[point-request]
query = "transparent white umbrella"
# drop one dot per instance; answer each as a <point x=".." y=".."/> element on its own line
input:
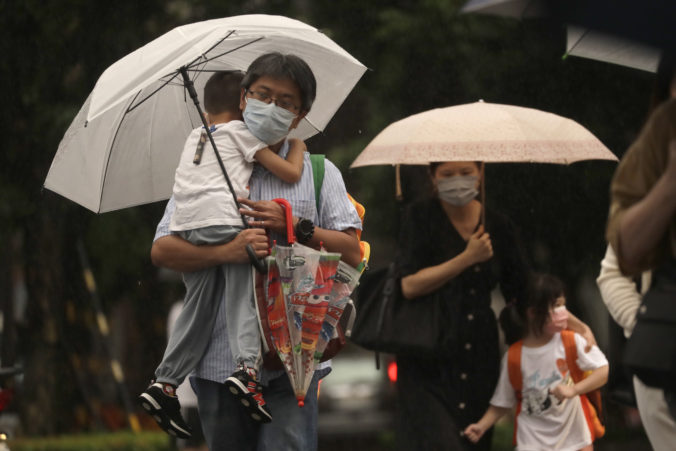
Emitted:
<point x="123" y="147"/>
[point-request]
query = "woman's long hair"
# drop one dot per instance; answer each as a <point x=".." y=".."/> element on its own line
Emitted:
<point x="541" y="293"/>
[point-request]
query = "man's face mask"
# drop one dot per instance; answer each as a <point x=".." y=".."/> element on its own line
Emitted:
<point x="267" y="121"/>
<point x="458" y="190"/>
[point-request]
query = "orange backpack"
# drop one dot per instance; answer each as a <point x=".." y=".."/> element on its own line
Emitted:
<point x="591" y="402"/>
<point x="317" y="161"/>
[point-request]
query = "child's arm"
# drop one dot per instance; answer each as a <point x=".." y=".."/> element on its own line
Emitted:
<point x="596" y="379"/>
<point x="475" y="431"/>
<point x="289" y="170"/>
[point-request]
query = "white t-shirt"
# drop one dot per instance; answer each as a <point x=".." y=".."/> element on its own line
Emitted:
<point x="201" y="193"/>
<point x="544" y="423"/>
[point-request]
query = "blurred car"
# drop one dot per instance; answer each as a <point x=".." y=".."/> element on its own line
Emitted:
<point x="356" y="398"/>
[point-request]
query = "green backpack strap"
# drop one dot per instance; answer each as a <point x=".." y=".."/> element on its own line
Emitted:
<point x="317" y="161"/>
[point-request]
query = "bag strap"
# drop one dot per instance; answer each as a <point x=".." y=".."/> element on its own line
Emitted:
<point x="515" y="378"/>
<point x="514" y="367"/>
<point x="568" y="339"/>
<point x="317" y="161"/>
<point x="592" y="404"/>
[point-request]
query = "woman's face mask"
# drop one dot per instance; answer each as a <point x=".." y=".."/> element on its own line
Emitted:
<point x="458" y="190"/>
<point x="558" y="320"/>
<point x="267" y="121"/>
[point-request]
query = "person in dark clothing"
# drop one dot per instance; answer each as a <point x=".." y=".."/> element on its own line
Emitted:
<point x="445" y="249"/>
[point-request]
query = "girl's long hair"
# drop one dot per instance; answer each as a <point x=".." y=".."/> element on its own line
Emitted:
<point x="541" y="293"/>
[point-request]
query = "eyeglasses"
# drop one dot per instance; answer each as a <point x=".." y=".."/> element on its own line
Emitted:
<point x="267" y="98"/>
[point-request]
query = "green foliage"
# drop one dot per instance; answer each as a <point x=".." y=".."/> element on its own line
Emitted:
<point x="119" y="441"/>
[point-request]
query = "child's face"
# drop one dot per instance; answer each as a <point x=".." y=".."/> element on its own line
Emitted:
<point x="558" y="316"/>
<point x="559" y="302"/>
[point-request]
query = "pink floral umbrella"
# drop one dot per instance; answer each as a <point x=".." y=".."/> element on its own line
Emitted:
<point x="485" y="132"/>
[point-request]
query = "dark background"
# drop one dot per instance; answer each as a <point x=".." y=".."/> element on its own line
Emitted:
<point x="420" y="54"/>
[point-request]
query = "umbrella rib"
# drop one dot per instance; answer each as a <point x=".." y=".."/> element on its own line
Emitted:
<point x="572" y="47"/>
<point x="202" y="59"/>
<point x="230" y="51"/>
<point x="132" y="108"/>
<point x="312" y="125"/>
<point x="203" y="55"/>
<point x="201" y="71"/>
<point x="110" y="154"/>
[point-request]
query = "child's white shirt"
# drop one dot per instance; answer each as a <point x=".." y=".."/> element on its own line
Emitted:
<point x="201" y="193"/>
<point x="544" y="423"/>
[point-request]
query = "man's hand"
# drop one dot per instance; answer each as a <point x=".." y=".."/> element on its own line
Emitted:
<point x="255" y="237"/>
<point x="265" y="214"/>
<point x="175" y="253"/>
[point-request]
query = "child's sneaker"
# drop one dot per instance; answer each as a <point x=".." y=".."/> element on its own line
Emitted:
<point x="250" y="393"/>
<point x="160" y="401"/>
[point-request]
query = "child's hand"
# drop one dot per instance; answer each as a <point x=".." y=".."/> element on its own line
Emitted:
<point x="474" y="432"/>
<point x="564" y="392"/>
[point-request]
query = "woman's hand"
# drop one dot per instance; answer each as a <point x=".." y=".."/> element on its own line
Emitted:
<point x="576" y="325"/>
<point x="479" y="247"/>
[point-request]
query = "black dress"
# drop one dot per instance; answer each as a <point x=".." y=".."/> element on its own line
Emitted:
<point x="440" y="396"/>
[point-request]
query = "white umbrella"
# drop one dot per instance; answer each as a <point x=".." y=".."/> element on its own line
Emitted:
<point x="599" y="46"/>
<point x="582" y="42"/>
<point x="508" y="8"/>
<point x="486" y="132"/>
<point x="124" y="145"/>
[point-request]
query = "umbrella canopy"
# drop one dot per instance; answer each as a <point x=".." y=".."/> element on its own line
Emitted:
<point x="124" y="145"/>
<point x="507" y="8"/>
<point x="580" y="41"/>
<point x="650" y="22"/>
<point x="605" y="47"/>
<point x="483" y="132"/>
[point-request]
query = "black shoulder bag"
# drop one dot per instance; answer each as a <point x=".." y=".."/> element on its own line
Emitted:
<point x="650" y="352"/>
<point x="386" y="322"/>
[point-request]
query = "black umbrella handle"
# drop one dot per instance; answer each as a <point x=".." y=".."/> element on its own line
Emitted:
<point x="259" y="264"/>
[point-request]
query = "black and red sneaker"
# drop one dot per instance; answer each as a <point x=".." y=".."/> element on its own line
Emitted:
<point x="244" y="386"/>
<point x="160" y="401"/>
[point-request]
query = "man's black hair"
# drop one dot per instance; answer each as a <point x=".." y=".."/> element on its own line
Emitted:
<point x="279" y="66"/>
<point x="222" y="92"/>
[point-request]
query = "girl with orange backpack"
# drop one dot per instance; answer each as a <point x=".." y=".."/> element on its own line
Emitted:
<point x="543" y="375"/>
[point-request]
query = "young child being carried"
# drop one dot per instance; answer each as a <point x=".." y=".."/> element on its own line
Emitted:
<point x="206" y="214"/>
<point x="536" y="378"/>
